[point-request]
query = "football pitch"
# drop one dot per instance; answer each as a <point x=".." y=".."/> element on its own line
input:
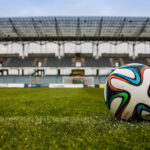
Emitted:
<point x="43" y="118"/>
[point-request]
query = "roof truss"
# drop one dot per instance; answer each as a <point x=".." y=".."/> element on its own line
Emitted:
<point x="36" y="28"/>
<point x="14" y="29"/>
<point x="141" y="29"/>
<point x="75" y="29"/>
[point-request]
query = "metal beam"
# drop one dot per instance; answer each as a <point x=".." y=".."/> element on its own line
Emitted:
<point x="141" y="30"/>
<point x="119" y="30"/>
<point x="2" y="34"/>
<point x="77" y="39"/>
<point x="14" y="28"/>
<point x="36" y="28"/>
<point x="58" y="32"/>
<point x="78" y="30"/>
<point x="99" y="29"/>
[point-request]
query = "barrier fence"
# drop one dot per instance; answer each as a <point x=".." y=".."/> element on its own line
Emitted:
<point x="21" y="85"/>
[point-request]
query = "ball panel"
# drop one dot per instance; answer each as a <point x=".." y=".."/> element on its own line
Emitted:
<point x="140" y="108"/>
<point x="124" y="101"/>
<point x="125" y="72"/>
<point x="115" y="104"/>
<point x="145" y="115"/>
<point x="120" y="84"/>
<point x="134" y="81"/>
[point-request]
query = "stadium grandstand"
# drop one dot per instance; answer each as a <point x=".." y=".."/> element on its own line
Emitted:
<point x="70" y="50"/>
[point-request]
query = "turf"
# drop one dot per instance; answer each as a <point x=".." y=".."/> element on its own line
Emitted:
<point x="77" y="119"/>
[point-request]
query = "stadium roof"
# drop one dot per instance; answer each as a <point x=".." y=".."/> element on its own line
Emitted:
<point x="75" y="29"/>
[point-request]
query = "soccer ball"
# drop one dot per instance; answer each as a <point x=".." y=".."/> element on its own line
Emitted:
<point x="127" y="92"/>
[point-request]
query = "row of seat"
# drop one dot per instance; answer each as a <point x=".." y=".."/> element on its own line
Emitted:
<point x="67" y="61"/>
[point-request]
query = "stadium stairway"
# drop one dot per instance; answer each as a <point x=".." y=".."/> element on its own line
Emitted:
<point x="34" y="62"/>
<point x="111" y="61"/>
<point x="7" y="61"/>
<point x="44" y="62"/>
<point x="121" y="61"/>
<point x="35" y="80"/>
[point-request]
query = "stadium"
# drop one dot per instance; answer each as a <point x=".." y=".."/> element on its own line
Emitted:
<point x="52" y="76"/>
<point x="70" y="50"/>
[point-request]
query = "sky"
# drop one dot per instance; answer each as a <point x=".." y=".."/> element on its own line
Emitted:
<point x="12" y="8"/>
<point x="16" y="8"/>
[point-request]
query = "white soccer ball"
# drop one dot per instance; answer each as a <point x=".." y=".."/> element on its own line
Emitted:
<point x="127" y="92"/>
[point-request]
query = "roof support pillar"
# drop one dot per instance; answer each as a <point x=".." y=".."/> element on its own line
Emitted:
<point x="97" y="50"/>
<point x="59" y="51"/>
<point x="100" y="52"/>
<point x="93" y="49"/>
<point x="63" y="49"/>
<point x="23" y="50"/>
<point x="133" y="55"/>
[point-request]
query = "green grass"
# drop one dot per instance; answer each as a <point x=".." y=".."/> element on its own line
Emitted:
<point x="77" y="119"/>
